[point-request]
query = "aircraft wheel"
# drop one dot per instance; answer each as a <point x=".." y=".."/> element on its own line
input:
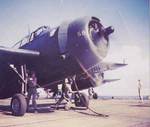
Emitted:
<point x="18" y="105"/>
<point x="81" y="100"/>
<point x="95" y="96"/>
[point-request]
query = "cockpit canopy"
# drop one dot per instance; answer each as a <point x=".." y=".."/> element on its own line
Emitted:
<point x="35" y="34"/>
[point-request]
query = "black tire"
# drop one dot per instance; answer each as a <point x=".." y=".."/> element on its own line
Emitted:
<point x="18" y="105"/>
<point x="81" y="100"/>
<point x="95" y="96"/>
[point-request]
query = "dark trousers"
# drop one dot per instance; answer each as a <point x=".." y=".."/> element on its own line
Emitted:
<point x="32" y="92"/>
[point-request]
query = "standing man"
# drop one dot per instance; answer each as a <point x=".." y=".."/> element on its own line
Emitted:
<point x="32" y="90"/>
<point x="139" y="89"/>
<point x="90" y="92"/>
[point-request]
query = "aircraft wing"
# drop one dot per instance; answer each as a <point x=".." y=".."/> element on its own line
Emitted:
<point x="109" y="80"/>
<point x="105" y="66"/>
<point x="11" y="55"/>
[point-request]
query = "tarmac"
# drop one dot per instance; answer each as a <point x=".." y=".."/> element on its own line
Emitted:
<point x="121" y="113"/>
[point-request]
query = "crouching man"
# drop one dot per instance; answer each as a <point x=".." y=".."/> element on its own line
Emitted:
<point x="66" y="90"/>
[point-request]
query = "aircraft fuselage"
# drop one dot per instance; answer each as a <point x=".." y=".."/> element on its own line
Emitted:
<point x="70" y="49"/>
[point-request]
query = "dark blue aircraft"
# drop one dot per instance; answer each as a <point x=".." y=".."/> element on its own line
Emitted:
<point x="74" y="48"/>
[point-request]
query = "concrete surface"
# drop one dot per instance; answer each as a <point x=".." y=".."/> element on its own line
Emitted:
<point x="122" y="113"/>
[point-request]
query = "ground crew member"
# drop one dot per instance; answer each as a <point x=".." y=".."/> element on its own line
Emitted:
<point x="66" y="89"/>
<point x="32" y="90"/>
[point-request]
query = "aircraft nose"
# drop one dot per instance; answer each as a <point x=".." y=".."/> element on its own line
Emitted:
<point x="88" y="40"/>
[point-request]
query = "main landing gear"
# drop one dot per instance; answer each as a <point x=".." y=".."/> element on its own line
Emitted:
<point x="80" y="99"/>
<point x="18" y="101"/>
<point x="18" y="105"/>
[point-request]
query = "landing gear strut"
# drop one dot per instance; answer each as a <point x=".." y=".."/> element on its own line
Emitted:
<point x="18" y="101"/>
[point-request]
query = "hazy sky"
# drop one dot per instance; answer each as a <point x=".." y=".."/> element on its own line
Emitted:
<point x="130" y="41"/>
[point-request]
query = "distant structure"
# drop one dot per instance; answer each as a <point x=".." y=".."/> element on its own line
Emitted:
<point x="139" y="89"/>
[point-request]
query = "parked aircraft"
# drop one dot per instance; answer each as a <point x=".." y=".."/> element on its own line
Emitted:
<point x="73" y="49"/>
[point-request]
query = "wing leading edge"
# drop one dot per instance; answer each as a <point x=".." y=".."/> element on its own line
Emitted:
<point x="11" y="55"/>
<point x="105" y="66"/>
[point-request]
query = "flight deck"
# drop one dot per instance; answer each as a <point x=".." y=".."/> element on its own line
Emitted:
<point x="121" y="113"/>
